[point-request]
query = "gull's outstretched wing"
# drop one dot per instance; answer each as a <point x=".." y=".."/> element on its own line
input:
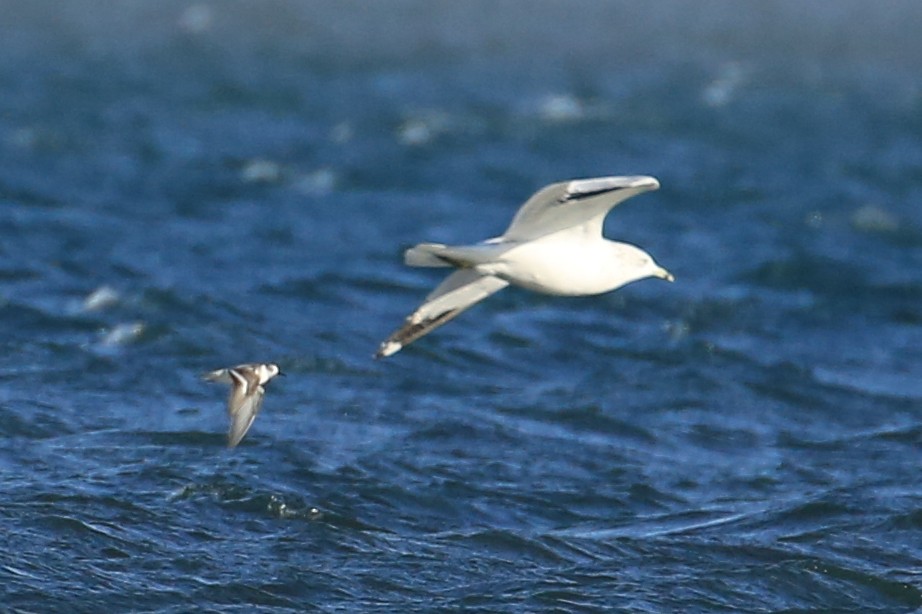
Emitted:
<point x="245" y="401"/>
<point x="459" y="291"/>
<point x="571" y="204"/>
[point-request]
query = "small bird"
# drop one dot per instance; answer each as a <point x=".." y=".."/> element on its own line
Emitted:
<point x="554" y="245"/>
<point x="246" y="396"/>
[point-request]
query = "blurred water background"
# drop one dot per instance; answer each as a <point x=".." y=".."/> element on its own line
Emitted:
<point x="188" y="185"/>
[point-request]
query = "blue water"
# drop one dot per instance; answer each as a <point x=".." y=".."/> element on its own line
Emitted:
<point x="188" y="185"/>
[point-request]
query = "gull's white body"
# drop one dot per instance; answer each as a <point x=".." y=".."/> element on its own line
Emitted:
<point x="557" y="264"/>
<point x="247" y="389"/>
<point x="554" y="245"/>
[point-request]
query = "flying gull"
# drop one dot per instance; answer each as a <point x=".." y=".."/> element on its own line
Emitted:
<point x="246" y="396"/>
<point x="554" y="245"/>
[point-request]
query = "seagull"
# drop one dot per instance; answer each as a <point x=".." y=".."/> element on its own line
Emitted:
<point x="554" y="245"/>
<point x="246" y="395"/>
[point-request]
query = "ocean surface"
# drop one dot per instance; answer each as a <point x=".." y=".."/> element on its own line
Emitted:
<point x="190" y="185"/>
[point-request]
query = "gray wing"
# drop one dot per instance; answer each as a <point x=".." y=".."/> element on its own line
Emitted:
<point x="245" y="401"/>
<point x="581" y="203"/>
<point x="242" y="409"/>
<point x="456" y="293"/>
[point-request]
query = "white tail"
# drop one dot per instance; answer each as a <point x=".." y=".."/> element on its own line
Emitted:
<point x="425" y="255"/>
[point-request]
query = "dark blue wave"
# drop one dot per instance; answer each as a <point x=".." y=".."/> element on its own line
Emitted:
<point x="185" y="186"/>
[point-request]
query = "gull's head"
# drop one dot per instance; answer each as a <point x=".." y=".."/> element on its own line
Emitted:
<point x="630" y="263"/>
<point x="661" y="273"/>
<point x="651" y="269"/>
